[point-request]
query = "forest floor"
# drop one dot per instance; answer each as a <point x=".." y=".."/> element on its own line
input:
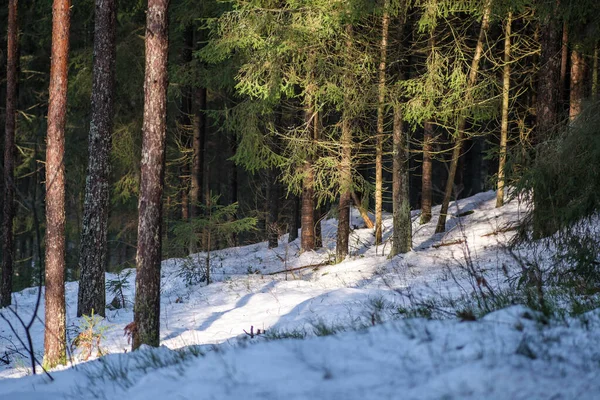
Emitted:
<point x="415" y="326"/>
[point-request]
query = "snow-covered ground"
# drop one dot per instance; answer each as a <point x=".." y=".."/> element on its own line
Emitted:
<point x="508" y="354"/>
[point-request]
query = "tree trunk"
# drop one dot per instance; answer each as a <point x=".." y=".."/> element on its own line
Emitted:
<point x="233" y="185"/>
<point x="402" y="234"/>
<point x="363" y="213"/>
<point x="505" y="104"/>
<point x="12" y="63"/>
<point x="147" y="284"/>
<point x="564" y="61"/>
<point x="426" y="174"/>
<point x="577" y="84"/>
<point x="380" y="123"/>
<point x="458" y="141"/>
<point x="308" y="240"/>
<point x="94" y="247"/>
<point x="199" y="145"/>
<point x="294" y="223"/>
<point x="343" y="230"/>
<point x="546" y="103"/>
<point x="427" y="167"/>
<point x="272" y="208"/>
<point x="55" y="318"/>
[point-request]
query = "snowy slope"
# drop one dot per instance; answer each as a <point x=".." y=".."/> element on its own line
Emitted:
<point x="506" y="355"/>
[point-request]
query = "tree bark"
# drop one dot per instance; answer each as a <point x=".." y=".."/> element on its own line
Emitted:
<point x="308" y="240"/>
<point x="402" y="233"/>
<point x="294" y="223"/>
<point x="363" y="213"/>
<point x="564" y="61"/>
<point x="343" y="230"/>
<point x="595" y="72"/>
<point x="427" y="167"/>
<point x="380" y="123"/>
<point x="147" y="284"/>
<point x="12" y="63"/>
<point x="198" y="147"/>
<point x="577" y="84"/>
<point x="272" y="208"/>
<point x="458" y="141"/>
<point x="55" y="318"/>
<point x="547" y="101"/>
<point x="426" y="174"/>
<point x="94" y="247"/>
<point x="505" y="105"/>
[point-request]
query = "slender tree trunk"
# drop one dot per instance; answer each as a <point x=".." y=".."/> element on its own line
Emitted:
<point x="185" y="124"/>
<point x="12" y="63"/>
<point x="147" y="283"/>
<point x="198" y="147"/>
<point x="363" y="213"/>
<point x="308" y="239"/>
<point x="426" y="175"/>
<point x="577" y="84"/>
<point x="441" y="225"/>
<point x="94" y="247"/>
<point x="402" y="234"/>
<point x="564" y="61"/>
<point x="272" y="208"/>
<point x="294" y="220"/>
<point x="547" y="101"/>
<point x="343" y="231"/>
<point x="233" y="185"/>
<point x="380" y="123"/>
<point x="427" y="167"/>
<point x="55" y="332"/>
<point x="504" y="123"/>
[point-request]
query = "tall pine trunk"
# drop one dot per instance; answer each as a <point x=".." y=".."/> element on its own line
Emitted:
<point x="426" y="174"/>
<point x="55" y="331"/>
<point x="12" y="62"/>
<point x="272" y="208"/>
<point x="385" y="22"/>
<point x="402" y="233"/>
<point x="564" y="61"/>
<point x="547" y="100"/>
<point x="94" y="247"/>
<point x="577" y="84"/>
<point x="458" y="141"/>
<point x="427" y="167"/>
<point x="505" y="105"/>
<point x="307" y="210"/>
<point x="198" y="149"/>
<point x="343" y="230"/>
<point x="147" y="283"/>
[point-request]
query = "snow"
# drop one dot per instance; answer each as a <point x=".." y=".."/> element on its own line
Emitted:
<point x="512" y="353"/>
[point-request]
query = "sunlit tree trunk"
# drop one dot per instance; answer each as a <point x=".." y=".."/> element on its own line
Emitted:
<point x="94" y="247"/>
<point x="55" y="321"/>
<point x="426" y="174"/>
<point x="385" y="22"/>
<point x="402" y="233"/>
<point x="458" y="141"/>
<point x="307" y="210"/>
<point x="577" y="84"/>
<point x="147" y="283"/>
<point x="12" y="63"/>
<point x="504" y="123"/>
<point x="343" y="231"/>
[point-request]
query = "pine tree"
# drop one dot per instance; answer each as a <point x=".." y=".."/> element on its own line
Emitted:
<point x="55" y="331"/>
<point x="12" y="81"/>
<point x="148" y="258"/>
<point x="505" y="106"/>
<point x="94" y="247"/>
